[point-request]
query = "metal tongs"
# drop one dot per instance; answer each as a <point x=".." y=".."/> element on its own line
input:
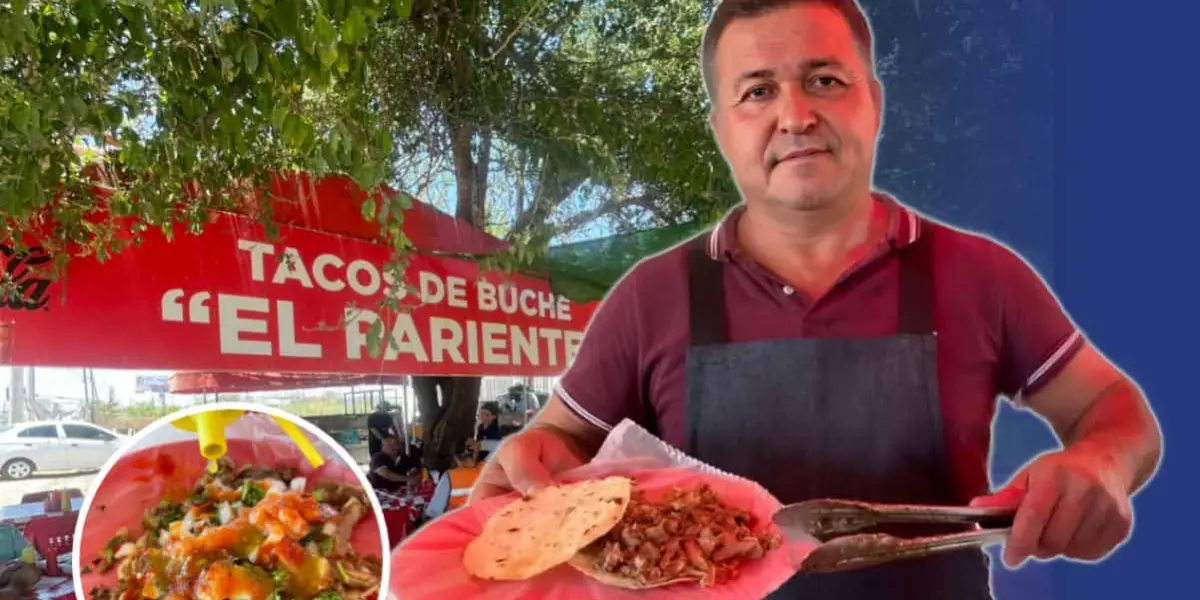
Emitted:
<point x="836" y="523"/>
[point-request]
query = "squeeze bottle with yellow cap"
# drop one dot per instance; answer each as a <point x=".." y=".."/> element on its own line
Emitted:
<point x="210" y="427"/>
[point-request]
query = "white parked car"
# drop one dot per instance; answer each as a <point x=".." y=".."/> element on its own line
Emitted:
<point x="28" y="448"/>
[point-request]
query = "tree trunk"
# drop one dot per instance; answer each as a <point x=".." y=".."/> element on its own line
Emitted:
<point x="449" y="417"/>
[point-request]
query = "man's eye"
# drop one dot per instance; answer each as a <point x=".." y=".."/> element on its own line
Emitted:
<point x="758" y="92"/>
<point x="827" y="82"/>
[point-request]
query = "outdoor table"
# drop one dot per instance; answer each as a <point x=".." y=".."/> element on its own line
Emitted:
<point x="51" y="536"/>
<point x="399" y="514"/>
<point x="20" y="514"/>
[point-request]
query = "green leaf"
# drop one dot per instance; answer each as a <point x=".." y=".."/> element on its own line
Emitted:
<point x="328" y="55"/>
<point x="287" y="17"/>
<point x="324" y="30"/>
<point x="250" y="57"/>
<point x="374" y="338"/>
<point x="368" y="209"/>
<point x="354" y="29"/>
<point x="402" y="8"/>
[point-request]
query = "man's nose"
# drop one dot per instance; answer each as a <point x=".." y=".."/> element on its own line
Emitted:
<point x="796" y="115"/>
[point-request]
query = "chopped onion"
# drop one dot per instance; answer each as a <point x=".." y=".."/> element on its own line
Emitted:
<point x="299" y="483"/>
<point x="188" y="521"/>
<point x="225" y="513"/>
<point x="328" y="512"/>
<point x="126" y="550"/>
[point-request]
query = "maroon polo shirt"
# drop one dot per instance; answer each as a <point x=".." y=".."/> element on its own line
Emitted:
<point x="1001" y="332"/>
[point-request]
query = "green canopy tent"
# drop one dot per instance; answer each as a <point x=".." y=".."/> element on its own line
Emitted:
<point x="585" y="271"/>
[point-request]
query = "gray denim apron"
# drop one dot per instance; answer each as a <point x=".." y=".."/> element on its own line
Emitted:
<point x="832" y="418"/>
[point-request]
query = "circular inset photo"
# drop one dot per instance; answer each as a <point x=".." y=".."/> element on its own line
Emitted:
<point x="228" y="501"/>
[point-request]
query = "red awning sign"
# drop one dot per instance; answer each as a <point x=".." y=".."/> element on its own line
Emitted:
<point x="229" y="300"/>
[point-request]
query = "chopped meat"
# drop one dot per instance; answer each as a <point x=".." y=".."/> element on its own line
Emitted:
<point x="689" y="534"/>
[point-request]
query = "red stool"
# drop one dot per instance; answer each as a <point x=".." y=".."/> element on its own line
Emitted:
<point x="51" y="537"/>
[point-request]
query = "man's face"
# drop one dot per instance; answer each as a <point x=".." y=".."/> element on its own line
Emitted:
<point x="796" y="110"/>
<point x="486" y="417"/>
<point x="391" y="446"/>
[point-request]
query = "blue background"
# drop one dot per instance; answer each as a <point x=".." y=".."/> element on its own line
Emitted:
<point x="1125" y="215"/>
<point x="1064" y="128"/>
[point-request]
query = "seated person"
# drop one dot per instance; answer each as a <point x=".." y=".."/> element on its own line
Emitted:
<point x="489" y="422"/>
<point x="18" y="577"/>
<point x="389" y="470"/>
<point x="487" y="432"/>
<point x="415" y="453"/>
<point x="463" y="475"/>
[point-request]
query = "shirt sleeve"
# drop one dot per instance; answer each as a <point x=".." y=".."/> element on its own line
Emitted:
<point x="1038" y="339"/>
<point x="601" y="384"/>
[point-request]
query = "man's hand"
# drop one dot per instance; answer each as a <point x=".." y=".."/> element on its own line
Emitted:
<point x="527" y="462"/>
<point x="1072" y="503"/>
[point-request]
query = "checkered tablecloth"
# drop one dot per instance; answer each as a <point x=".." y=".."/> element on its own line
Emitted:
<point x="54" y="588"/>
<point x="400" y="514"/>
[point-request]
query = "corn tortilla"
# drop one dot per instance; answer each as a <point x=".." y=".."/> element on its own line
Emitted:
<point x="535" y="534"/>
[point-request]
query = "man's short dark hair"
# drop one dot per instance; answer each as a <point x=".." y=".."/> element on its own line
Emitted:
<point x="728" y="11"/>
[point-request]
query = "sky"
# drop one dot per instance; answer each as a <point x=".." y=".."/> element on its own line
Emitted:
<point x="68" y="383"/>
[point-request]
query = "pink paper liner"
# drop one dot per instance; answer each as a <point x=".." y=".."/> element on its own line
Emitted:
<point x="142" y="479"/>
<point x="428" y="565"/>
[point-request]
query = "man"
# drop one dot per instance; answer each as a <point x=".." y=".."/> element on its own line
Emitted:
<point x="873" y="340"/>
<point x="390" y="471"/>
<point x="463" y="476"/>
<point x="380" y="426"/>
<point x="487" y="432"/>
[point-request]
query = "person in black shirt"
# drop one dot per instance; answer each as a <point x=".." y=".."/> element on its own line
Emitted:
<point x="489" y="422"/>
<point x="379" y="426"/>
<point x="488" y="428"/>
<point x="390" y="470"/>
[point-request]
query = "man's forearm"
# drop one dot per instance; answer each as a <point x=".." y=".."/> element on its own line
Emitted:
<point x="391" y="475"/>
<point x="1120" y="425"/>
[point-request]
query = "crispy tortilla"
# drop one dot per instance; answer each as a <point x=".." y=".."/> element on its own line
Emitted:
<point x="535" y="534"/>
<point x="586" y="561"/>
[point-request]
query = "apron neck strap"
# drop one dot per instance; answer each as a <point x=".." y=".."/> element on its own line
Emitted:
<point x="706" y="294"/>
<point x="706" y="290"/>
<point x="916" y="285"/>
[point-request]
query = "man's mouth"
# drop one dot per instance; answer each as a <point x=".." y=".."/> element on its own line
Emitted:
<point x="800" y="155"/>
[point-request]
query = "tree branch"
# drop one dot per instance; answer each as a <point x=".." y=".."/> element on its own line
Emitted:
<point x="553" y="188"/>
<point x="606" y="209"/>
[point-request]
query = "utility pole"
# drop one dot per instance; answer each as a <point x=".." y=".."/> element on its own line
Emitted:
<point x="18" y="394"/>
<point x="31" y="388"/>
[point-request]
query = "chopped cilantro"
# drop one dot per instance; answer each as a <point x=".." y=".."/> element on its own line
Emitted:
<point x="108" y="555"/>
<point x="330" y="595"/>
<point x="280" y="578"/>
<point x="314" y="532"/>
<point x="326" y="546"/>
<point x="169" y="513"/>
<point x="199" y="497"/>
<point x="319" y="495"/>
<point x="251" y="493"/>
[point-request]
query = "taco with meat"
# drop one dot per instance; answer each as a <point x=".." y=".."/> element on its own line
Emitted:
<point x="620" y="537"/>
